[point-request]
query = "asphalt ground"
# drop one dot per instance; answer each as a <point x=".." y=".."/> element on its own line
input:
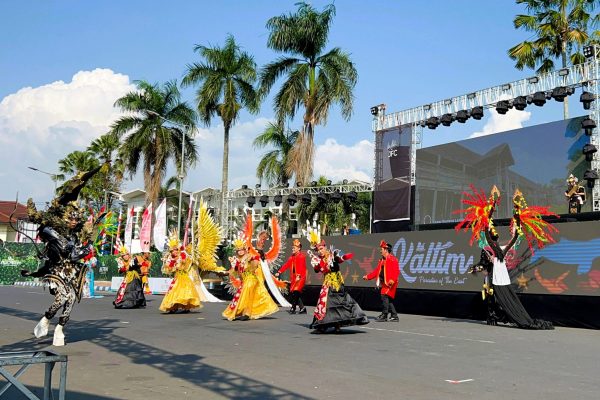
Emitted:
<point x="143" y="354"/>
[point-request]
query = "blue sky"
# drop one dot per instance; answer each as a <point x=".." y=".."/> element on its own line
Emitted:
<point x="406" y="54"/>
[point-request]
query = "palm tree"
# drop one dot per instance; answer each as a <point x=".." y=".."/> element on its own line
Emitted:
<point x="272" y="166"/>
<point x="225" y="77"/>
<point x="149" y="136"/>
<point x="77" y="161"/>
<point x="106" y="149"/>
<point x="314" y="79"/>
<point x="560" y="30"/>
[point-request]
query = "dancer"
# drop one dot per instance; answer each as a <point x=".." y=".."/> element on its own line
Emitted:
<point x="145" y="263"/>
<point x="90" y="262"/>
<point x="387" y="272"/>
<point x="68" y="240"/>
<point x="503" y="305"/>
<point x="335" y="308"/>
<point x="182" y="294"/>
<point x="251" y="299"/>
<point x="297" y="266"/>
<point x="130" y="293"/>
<point x="208" y="236"/>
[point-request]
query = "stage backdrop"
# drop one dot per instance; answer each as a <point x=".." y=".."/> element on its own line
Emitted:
<point x="537" y="160"/>
<point x="438" y="260"/>
<point x="391" y="197"/>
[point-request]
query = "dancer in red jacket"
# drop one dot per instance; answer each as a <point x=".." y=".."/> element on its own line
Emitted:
<point x="297" y="266"/>
<point x="387" y="273"/>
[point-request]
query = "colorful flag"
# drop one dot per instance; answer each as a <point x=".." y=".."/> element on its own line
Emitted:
<point x="146" y="230"/>
<point x="129" y="230"/>
<point x="160" y="225"/>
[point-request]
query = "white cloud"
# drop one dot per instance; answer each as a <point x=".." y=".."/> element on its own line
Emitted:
<point x="338" y="162"/>
<point x="499" y="123"/>
<point x="40" y="125"/>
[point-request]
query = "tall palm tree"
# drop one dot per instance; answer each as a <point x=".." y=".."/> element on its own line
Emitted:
<point x="106" y="149"/>
<point x="315" y="79"/>
<point x="153" y="131"/>
<point x="272" y="166"/>
<point x="560" y="30"/>
<point x="225" y="79"/>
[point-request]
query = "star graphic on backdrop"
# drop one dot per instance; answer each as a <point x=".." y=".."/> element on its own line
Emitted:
<point x="355" y="277"/>
<point x="522" y="280"/>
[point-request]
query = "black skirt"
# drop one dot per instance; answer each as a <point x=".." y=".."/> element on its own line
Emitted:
<point x="133" y="297"/>
<point x="511" y="310"/>
<point x="342" y="310"/>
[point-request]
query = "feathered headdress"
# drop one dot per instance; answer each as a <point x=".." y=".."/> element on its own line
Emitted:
<point x="209" y="236"/>
<point x="120" y="249"/>
<point x="173" y="241"/>
<point x="528" y="222"/>
<point x="240" y="242"/>
<point x="478" y="216"/>
<point x="273" y="253"/>
<point x="313" y="235"/>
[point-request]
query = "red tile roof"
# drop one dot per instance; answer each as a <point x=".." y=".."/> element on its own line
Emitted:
<point x="7" y="207"/>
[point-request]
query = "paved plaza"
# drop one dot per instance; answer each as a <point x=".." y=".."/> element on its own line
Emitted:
<point x="141" y="354"/>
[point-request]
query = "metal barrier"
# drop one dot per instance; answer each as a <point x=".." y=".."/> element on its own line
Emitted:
<point x="27" y="359"/>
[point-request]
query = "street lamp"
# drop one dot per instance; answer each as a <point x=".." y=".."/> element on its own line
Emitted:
<point x="51" y="175"/>
<point x="180" y="176"/>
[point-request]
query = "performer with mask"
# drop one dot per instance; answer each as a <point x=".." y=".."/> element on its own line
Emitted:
<point x="297" y="266"/>
<point x="387" y="273"/>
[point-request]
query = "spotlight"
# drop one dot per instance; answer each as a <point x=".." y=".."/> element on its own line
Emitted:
<point x="374" y="110"/>
<point x="590" y="176"/>
<point x="313" y="183"/>
<point x="298" y="184"/>
<point x="292" y="199"/>
<point x="462" y="116"/>
<point x="423" y="124"/>
<point x="264" y="200"/>
<point x="244" y="187"/>
<point x="471" y="96"/>
<point x="589" y="51"/>
<point x="277" y="199"/>
<point x="533" y="79"/>
<point x="589" y="150"/>
<point x="427" y="107"/>
<point x="588" y="125"/>
<point x="257" y="186"/>
<point x="336" y="196"/>
<point x="329" y="182"/>
<point x="352" y="196"/>
<point x="559" y="93"/>
<point x="322" y="197"/>
<point x="539" y="99"/>
<point x="520" y="103"/>
<point x="306" y="199"/>
<point x="251" y="200"/>
<point x="432" y="122"/>
<point x="448" y="102"/>
<point x="506" y="86"/>
<point x="345" y="182"/>
<point x="586" y="98"/>
<point x="502" y="107"/>
<point x="563" y="72"/>
<point x="477" y="113"/>
<point x="447" y="119"/>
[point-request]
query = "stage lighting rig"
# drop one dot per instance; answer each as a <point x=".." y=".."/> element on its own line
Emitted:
<point x="432" y="122"/>
<point x="336" y="196"/>
<point x="590" y="176"/>
<point x="563" y="72"/>
<point x="586" y="98"/>
<point x="533" y="79"/>
<point x="306" y="199"/>
<point x="503" y="106"/>
<point x="520" y="103"/>
<point x="477" y="113"/>
<point x="447" y="119"/>
<point x="277" y="199"/>
<point x="292" y="199"/>
<point x="588" y="151"/>
<point x="588" y="125"/>
<point x="590" y="51"/>
<point x="539" y="99"/>
<point x="462" y="116"/>
<point x="352" y="196"/>
<point x="251" y="200"/>
<point x="374" y="110"/>
<point x="559" y="93"/>
<point x="264" y="200"/>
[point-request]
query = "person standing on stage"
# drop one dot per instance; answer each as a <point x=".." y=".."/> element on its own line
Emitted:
<point x="297" y="266"/>
<point x="387" y="273"/>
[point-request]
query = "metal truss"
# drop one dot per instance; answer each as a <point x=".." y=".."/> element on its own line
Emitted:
<point x="585" y="75"/>
<point x="312" y="190"/>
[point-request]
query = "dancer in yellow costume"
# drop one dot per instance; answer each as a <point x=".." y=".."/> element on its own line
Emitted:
<point x="182" y="294"/>
<point x="251" y="300"/>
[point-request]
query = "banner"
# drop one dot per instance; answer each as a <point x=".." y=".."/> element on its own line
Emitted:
<point x="129" y="229"/>
<point x="392" y="191"/>
<point x="146" y="230"/>
<point x="160" y="226"/>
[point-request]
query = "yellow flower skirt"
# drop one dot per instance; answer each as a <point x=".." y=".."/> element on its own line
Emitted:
<point x="182" y="295"/>
<point x="254" y="301"/>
